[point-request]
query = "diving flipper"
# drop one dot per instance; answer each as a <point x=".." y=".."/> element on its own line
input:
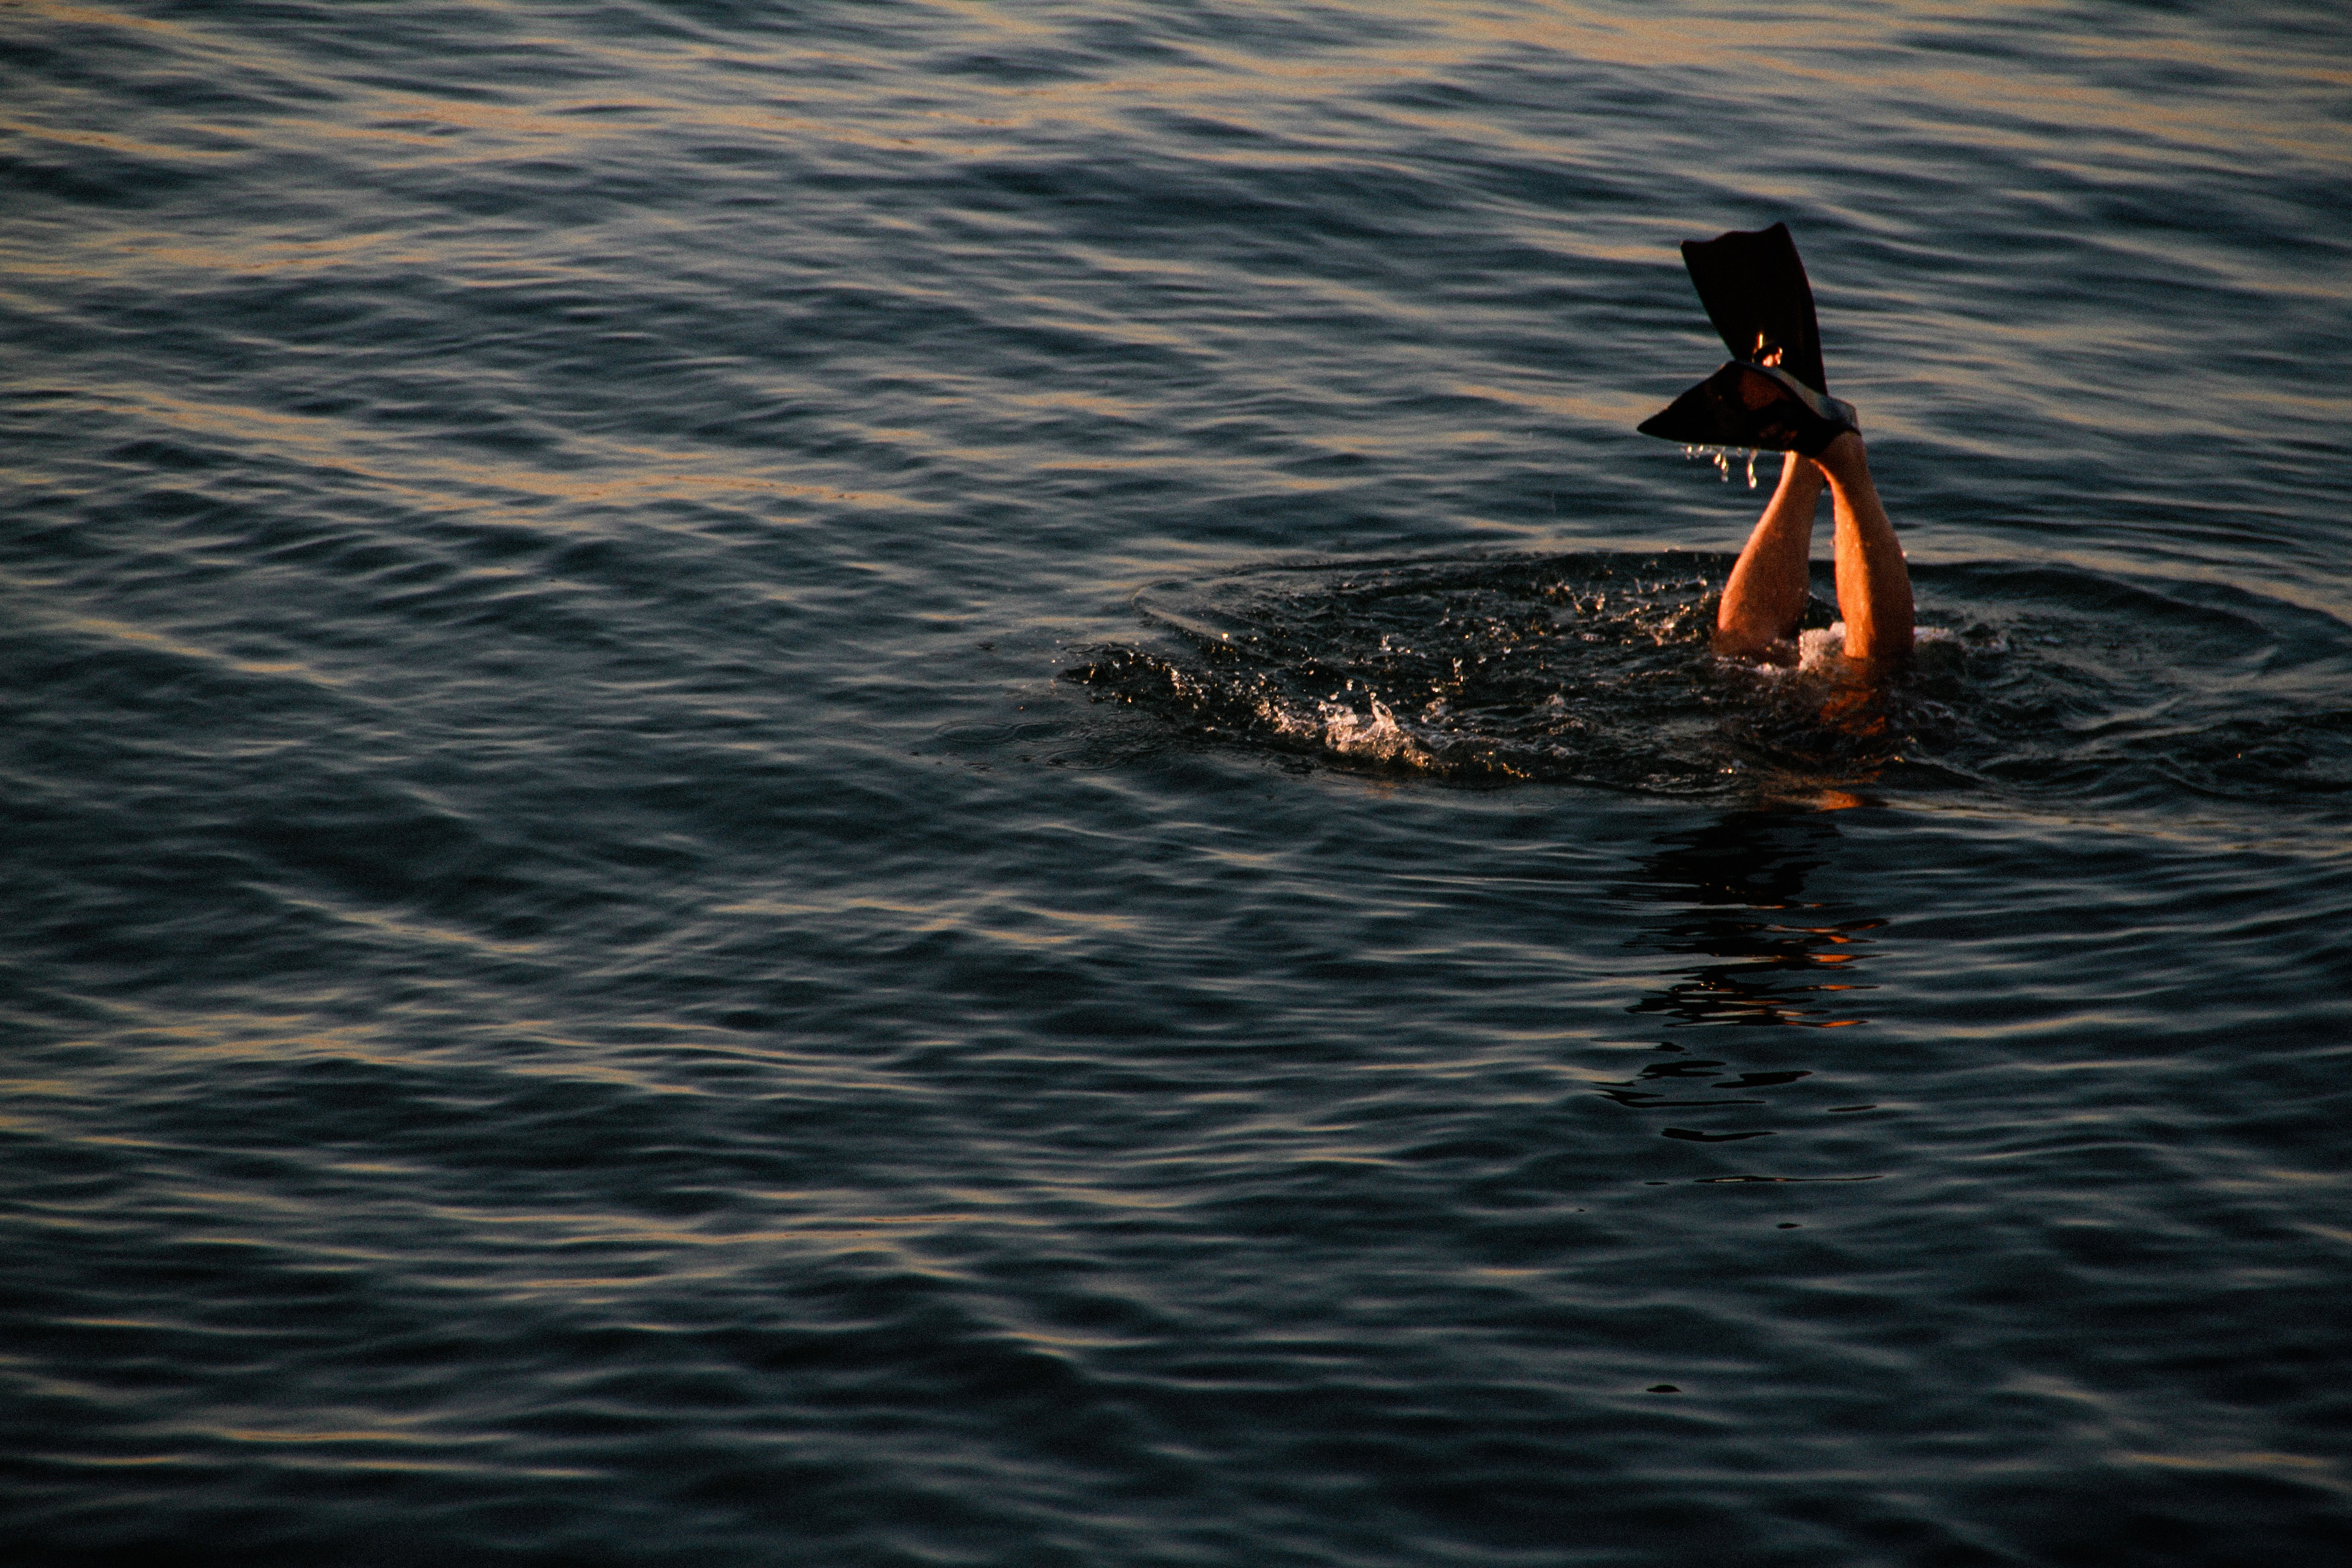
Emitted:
<point x="1755" y="291"/>
<point x="1745" y="405"/>
<point x="1754" y="288"/>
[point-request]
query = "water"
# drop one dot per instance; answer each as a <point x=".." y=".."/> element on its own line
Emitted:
<point x="924" y="784"/>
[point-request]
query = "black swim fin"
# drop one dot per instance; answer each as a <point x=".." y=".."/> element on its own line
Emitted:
<point x="1755" y="291"/>
<point x="1745" y="405"/>
<point x="1754" y="287"/>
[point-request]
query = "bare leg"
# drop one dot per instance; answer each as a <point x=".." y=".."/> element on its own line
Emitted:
<point x="1873" y="585"/>
<point x="1768" y="588"/>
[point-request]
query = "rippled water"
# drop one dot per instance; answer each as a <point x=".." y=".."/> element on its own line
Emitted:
<point x="936" y="784"/>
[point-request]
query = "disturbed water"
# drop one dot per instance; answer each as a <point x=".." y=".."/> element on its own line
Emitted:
<point x="929" y="783"/>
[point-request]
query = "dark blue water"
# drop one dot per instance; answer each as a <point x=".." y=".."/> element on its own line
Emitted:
<point x="921" y="784"/>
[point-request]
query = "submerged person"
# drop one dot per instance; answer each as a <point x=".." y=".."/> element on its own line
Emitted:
<point x="1776" y="396"/>
<point x="1770" y="584"/>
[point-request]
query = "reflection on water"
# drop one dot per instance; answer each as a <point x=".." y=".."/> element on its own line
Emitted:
<point x="1739" y="885"/>
<point x="1736" y="891"/>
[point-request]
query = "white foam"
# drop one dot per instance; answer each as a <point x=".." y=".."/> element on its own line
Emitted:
<point x="1819" y="647"/>
<point x="1377" y="735"/>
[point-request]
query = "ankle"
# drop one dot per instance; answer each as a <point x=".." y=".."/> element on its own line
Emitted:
<point x="1843" y="462"/>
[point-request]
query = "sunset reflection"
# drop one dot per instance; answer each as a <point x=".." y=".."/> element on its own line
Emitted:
<point x="1776" y="957"/>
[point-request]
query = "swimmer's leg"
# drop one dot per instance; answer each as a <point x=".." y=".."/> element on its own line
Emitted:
<point x="1768" y="589"/>
<point x="1873" y="585"/>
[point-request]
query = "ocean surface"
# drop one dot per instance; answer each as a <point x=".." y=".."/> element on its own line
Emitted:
<point x="925" y="783"/>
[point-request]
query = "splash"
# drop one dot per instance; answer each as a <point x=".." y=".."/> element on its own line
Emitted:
<point x="1373" y="736"/>
<point x="1723" y="458"/>
<point x="1594" y="668"/>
